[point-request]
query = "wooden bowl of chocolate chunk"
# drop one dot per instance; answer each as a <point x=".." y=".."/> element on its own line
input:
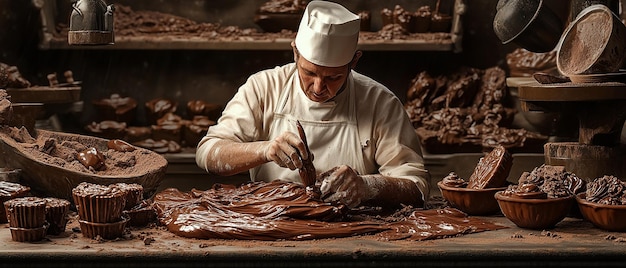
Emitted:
<point x="535" y="212"/>
<point x="604" y="203"/>
<point x="53" y="163"/>
<point x="471" y="201"/>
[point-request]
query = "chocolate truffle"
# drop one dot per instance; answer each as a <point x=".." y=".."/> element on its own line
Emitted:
<point x="91" y="158"/>
<point x="421" y="19"/>
<point x="136" y="133"/>
<point x="10" y="77"/>
<point x="107" y="129"/>
<point x="159" y="107"/>
<point x="120" y="145"/>
<point x="116" y="108"/>
<point x="196" y="130"/>
<point x="203" y="108"/>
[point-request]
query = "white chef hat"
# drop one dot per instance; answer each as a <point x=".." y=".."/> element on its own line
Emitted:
<point x="328" y="34"/>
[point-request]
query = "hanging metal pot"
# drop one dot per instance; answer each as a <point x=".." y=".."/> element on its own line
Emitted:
<point x="528" y="23"/>
<point x="91" y="23"/>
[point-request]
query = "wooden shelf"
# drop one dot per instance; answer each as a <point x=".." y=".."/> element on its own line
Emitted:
<point x="51" y="37"/>
<point x="432" y="42"/>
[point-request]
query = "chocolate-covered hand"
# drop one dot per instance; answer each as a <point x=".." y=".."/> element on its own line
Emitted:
<point x="285" y="150"/>
<point x="343" y="184"/>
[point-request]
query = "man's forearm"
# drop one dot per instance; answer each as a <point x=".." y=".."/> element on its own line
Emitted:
<point x="229" y="158"/>
<point x="389" y="191"/>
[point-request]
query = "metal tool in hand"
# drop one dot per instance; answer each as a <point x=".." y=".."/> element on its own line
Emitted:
<point x="307" y="172"/>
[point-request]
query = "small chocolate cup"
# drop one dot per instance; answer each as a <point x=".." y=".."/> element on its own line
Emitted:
<point x="26" y="212"/>
<point x="28" y="234"/>
<point x="140" y="216"/>
<point x="99" y="203"/>
<point x="56" y="215"/>
<point x="104" y="230"/>
<point x="134" y="194"/>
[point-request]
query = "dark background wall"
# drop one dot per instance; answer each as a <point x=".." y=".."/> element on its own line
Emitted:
<point x="215" y="75"/>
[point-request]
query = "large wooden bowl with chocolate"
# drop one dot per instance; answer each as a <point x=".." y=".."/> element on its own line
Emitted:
<point x="476" y="196"/>
<point x="470" y="200"/>
<point x="604" y="216"/>
<point x="604" y="203"/>
<point x="53" y="163"/>
<point x="534" y="213"/>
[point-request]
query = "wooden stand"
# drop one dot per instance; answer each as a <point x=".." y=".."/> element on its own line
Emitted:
<point x="601" y="112"/>
<point x="587" y="161"/>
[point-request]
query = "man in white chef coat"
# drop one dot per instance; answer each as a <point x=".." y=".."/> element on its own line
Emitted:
<point x="358" y="132"/>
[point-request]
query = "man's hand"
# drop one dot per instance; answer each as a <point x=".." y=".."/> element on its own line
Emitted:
<point x="286" y="150"/>
<point x="343" y="184"/>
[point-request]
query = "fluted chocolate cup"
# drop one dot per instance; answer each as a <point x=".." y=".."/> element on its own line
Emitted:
<point x="56" y="214"/>
<point x="134" y="194"/>
<point x="99" y="203"/>
<point x="26" y="212"/>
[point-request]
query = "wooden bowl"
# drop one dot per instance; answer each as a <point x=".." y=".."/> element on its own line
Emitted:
<point x="594" y="43"/>
<point x="536" y="214"/>
<point x="471" y="201"/>
<point x="607" y="217"/>
<point x="58" y="181"/>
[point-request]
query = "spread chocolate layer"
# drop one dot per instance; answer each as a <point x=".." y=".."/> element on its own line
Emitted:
<point x="284" y="210"/>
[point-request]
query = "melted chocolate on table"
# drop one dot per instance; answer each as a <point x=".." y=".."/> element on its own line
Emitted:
<point x="284" y="210"/>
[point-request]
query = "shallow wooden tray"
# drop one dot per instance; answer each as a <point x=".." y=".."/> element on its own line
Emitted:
<point x="44" y="94"/>
<point x="57" y="181"/>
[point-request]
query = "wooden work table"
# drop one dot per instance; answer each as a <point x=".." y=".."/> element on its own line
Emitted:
<point x="572" y="243"/>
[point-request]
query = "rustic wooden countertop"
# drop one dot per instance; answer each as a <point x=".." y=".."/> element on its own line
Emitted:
<point x="572" y="243"/>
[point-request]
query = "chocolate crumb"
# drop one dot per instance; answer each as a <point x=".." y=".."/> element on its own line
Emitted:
<point x="517" y="235"/>
<point x="148" y="240"/>
<point x="550" y="234"/>
<point x="610" y="237"/>
<point x="620" y="239"/>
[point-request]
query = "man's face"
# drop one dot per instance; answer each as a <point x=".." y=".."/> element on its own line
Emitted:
<point x="320" y="83"/>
